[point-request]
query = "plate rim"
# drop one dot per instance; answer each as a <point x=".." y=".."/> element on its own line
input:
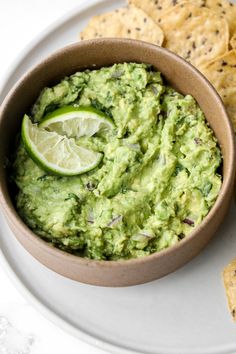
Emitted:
<point x="15" y="279"/>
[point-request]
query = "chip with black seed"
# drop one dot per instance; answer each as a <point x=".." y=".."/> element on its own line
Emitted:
<point x="128" y="22"/>
<point x="221" y="72"/>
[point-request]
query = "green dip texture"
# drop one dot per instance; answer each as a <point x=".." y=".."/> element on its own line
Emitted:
<point x="158" y="178"/>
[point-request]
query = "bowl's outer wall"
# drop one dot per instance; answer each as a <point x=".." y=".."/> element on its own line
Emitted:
<point x="185" y="79"/>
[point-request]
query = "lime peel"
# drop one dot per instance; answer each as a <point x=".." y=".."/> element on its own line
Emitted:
<point x="56" y="153"/>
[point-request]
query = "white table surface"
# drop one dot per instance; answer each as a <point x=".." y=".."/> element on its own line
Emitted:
<point x="21" y="21"/>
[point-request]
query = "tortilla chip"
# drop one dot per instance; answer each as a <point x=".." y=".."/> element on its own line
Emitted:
<point x="155" y="8"/>
<point x="223" y="8"/>
<point x="233" y="41"/>
<point x="126" y="23"/>
<point x="229" y="276"/>
<point x="196" y="34"/>
<point x="222" y="74"/>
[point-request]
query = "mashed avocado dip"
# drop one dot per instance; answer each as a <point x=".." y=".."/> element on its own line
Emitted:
<point x="156" y="182"/>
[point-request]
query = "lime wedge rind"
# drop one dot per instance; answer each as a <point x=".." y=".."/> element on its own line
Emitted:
<point x="63" y="158"/>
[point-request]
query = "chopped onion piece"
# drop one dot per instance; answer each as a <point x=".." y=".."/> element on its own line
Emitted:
<point x="115" y="221"/>
<point x="90" y="219"/>
<point x="146" y="234"/>
<point x="188" y="221"/>
<point x="134" y="146"/>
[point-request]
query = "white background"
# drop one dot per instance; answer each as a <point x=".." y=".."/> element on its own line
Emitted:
<point x="20" y="22"/>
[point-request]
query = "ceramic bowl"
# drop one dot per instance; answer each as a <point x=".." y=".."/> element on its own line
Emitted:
<point x="185" y="79"/>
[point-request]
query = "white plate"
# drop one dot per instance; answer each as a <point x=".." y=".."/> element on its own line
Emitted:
<point x="184" y="313"/>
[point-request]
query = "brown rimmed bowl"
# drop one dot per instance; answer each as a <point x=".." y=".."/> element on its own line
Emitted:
<point x="185" y="79"/>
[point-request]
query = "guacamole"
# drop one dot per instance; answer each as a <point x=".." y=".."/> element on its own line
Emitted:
<point x="158" y="178"/>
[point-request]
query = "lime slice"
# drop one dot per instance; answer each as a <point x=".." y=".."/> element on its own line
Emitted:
<point x="56" y="153"/>
<point x="75" y="122"/>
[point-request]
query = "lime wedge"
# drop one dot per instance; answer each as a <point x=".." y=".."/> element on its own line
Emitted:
<point x="75" y="122"/>
<point x="56" y="153"/>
